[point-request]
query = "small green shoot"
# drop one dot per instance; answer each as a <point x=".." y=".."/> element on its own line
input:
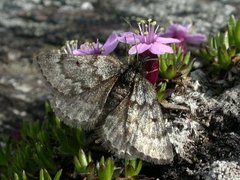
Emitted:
<point x="174" y="65"/>
<point x="222" y="49"/>
<point x="84" y="164"/>
<point x="105" y="170"/>
<point x="132" y="168"/>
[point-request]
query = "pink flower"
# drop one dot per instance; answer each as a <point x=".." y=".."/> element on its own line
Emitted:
<point x="97" y="48"/>
<point x="147" y="39"/>
<point x="183" y="34"/>
<point x="148" y="44"/>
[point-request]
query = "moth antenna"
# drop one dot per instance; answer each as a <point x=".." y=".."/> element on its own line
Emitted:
<point x="127" y="22"/>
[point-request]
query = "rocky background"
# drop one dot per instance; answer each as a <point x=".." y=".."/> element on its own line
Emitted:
<point x="29" y="26"/>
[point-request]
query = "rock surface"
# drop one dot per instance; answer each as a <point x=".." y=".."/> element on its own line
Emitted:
<point x="221" y="170"/>
<point x="28" y="26"/>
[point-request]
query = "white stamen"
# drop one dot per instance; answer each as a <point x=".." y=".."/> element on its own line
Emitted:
<point x="156" y="29"/>
<point x="140" y="29"/>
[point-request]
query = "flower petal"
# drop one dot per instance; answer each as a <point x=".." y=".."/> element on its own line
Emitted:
<point x="158" y="48"/>
<point x="176" y="31"/>
<point x="78" y="52"/>
<point x="195" y="39"/>
<point x="139" y="48"/>
<point x="110" y="44"/>
<point x="166" y="34"/>
<point x="167" y="40"/>
<point x="86" y="49"/>
<point x="129" y="38"/>
<point x="176" y="28"/>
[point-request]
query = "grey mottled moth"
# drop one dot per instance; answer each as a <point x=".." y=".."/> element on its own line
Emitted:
<point x="102" y="93"/>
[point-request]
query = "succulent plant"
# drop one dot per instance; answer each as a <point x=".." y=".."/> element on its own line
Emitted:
<point x="42" y="145"/>
<point x="84" y="164"/>
<point x="222" y="49"/>
<point x="174" y="65"/>
<point x="132" y="168"/>
<point x="23" y="176"/>
<point x="105" y="169"/>
<point x="161" y="93"/>
<point x="43" y="175"/>
<point x="47" y="146"/>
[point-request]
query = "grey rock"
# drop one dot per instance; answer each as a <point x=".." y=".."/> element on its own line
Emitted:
<point x="229" y="103"/>
<point x="87" y="6"/>
<point x="206" y="109"/>
<point x="221" y="170"/>
<point x="207" y="16"/>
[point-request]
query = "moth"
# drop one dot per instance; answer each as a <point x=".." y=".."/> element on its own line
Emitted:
<point x="102" y="93"/>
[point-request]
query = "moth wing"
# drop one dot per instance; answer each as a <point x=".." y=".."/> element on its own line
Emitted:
<point x="70" y="74"/>
<point x="135" y="128"/>
<point x="82" y="110"/>
<point x="147" y="135"/>
<point x="79" y="85"/>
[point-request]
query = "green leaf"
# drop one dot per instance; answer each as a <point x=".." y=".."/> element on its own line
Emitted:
<point x="226" y="40"/>
<point x="45" y="157"/>
<point x="231" y="23"/>
<point x="102" y="160"/>
<point x="170" y="73"/>
<point x="132" y="168"/>
<point x="224" y="59"/>
<point x="46" y="175"/>
<point x="16" y="177"/>
<point x="215" y="42"/>
<point x="109" y="167"/>
<point x="82" y="158"/>
<point x="41" y="175"/>
<point x="231" y="52"/>
<point x="186" y="58"/>
<point x="3" y="157"/>
<point x="106" y="169"/>
<point x="24" y="176"/>
<point x="210" y="42"/>
<point x="138" y="168"/>
<point x="231" y="29"/>
<point x="48" y="108"/>
<point x="129" y="171"/>
<point x="211" y="51"/>
<point x="204" y="55"/>
<point x="89" y="157"/>
<point x="58" y="175"/>
<point x="237" y="33"/>
<point x="77" y="165"/>
<point x="180" y="58"/>
<point x="162" y="65"/>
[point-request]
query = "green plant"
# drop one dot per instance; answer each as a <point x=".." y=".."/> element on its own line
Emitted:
<point x="174" y="65"/>
<point x="23" y="176"/>
<point x="47" y="144"/>
<point x="43" y="175"/>
<point x="172" y="68"/>
<point x="84" y="164"/>
<point x="132" y="168"/>
<point x="223" y="48"/>
<point x="105" y="169"/>
<point x="161" y="93"/>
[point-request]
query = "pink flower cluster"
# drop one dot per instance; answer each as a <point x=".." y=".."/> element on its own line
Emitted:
<point x="148" y="43"/>
<point x="183" y="34"/>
